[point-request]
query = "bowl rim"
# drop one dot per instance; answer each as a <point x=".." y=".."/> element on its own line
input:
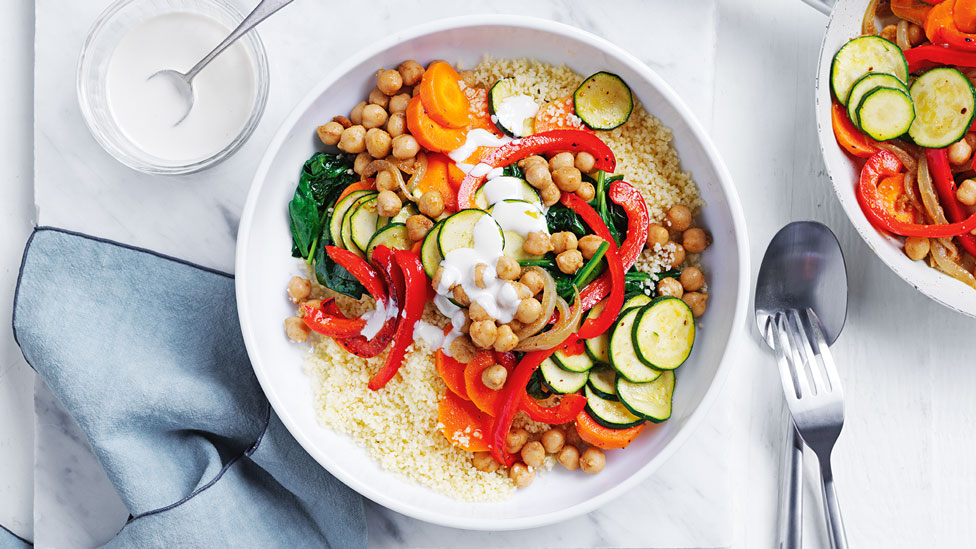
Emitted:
<point x="262" y="80"/>
<point x="724" y="179"/>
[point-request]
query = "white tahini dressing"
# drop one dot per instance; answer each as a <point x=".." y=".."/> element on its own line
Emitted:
<point x="478" y="137"/>
<point x="514" y="110"/>
<point x="521" y="217"/>
<point x="375" y="320"/>
<point x="425" y="331"/>
<point x="502" y="187"/>
<point x="147" y="109"/>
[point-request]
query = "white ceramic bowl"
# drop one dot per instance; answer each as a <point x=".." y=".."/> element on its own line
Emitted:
<point x="264" y="266"/>
<point x="845" y="24"/>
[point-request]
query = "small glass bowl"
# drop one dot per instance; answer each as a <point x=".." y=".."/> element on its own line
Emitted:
<point x="93" y="66"/>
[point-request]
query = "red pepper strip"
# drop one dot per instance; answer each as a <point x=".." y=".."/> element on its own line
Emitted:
<point x="593" y="327"/>
<point x="555" y="140"/>
<point x="568" y="408"/>
<point x="333" y="326"/>
<point x="359" y="345"/>
<point x="506" y="359"/>
<point x="940" y="28"/>
<point x="415" y="297"/>
<point x="511" y="403"/>
<point x="357" y="267"/>
<point x="945" y="186"/>
<point x="930" y="55"/>
<point x="872" y="204"/>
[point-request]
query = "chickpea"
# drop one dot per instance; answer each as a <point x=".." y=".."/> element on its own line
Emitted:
<point x="418" y="226"/>
<point x="917" y="248"/>
<point x="494" y="376"/>
<point x="469" y="78"/>
<point x="528" y="310"/>
<point x="330" y="133"/>
<point x="515" y="325"/>
<point x="959" y="152"/>
<point x="388" y="204"/>
<point x="479" y="275"/>
<point x="589" y="244"/>
<point x="670" y="287"/>
<point x="592" y="461"/>
<point x="435" y="281"/>
<point x="353" y="140"/>
<point x="533" y="160"/>
<point x="415" y="92"/>
<point x="533" y="281"/>
<point x="695" y="240"/>
<point x="396" y="125"/>
<point x="385" y="181"/>
<point x="657" y="235"/>
<point x="537" y="243"/>
<point x="374" y="116"/>
<point x="567" y="179"/>
<point x="890" y="33"/>
<point x="466" y="326"/>
<point x="483" y="461"/>
<point x="569" y="457"/>
<point x="550" y="194"/>
<point x="405" y="146"/>
<point x="378" y="143"/>
<point x="342" y="121"/>
<point x="477" y="312"/>
<point x="461" y="296"/>
<point x="377" y="99"/>
<point x="586" y="191"/>
<point x="362" y="160"/>
<point x="916" y="35"/>
<point x="410" y="72"/>
<point x="431" y="203"/>
<point x="507" y="268"/>
<point x="521" y="290"/>
<point x="538" y="175"/>
<point x="521" y="475"/>
<point x="462" y="350"/>
<point x="398" y="103"/>
<point x="569" y="261"/>
<point x="696" y="301"/>
<point x="389" y="81"/>
<point x="515" y="440"/>
<point x="505" y="338"/>
<point x="533" y="454"/>
<point x="966" y="193"/>
<point x="678" y="217"/>
<point x="677" y="256"/>
<point x="692" y="279"/>
<point x="483" y="333"/>
<point x="553" y="440"/>
<point x="296" y="329"/>
<point x="299" y="289"/>
<point x="563" y="241"/>
<point x="585" y="162"/>
<point x="356" y="115"/>
<point x="561" y="160"/>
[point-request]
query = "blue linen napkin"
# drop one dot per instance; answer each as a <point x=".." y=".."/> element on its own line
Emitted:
<point x="145" y="351"/>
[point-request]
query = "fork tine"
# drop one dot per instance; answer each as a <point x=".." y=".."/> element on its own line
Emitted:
<point x="790" y="363"/>
<point x="779" y="347"/>
<point x="810" y="359"/>
<point x="823" y="350"/>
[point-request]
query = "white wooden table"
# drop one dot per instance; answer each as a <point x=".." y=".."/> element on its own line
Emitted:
<point x="903" y="465"/>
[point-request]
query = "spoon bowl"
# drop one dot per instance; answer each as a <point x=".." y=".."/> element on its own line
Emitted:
<point x="183" y="87"/>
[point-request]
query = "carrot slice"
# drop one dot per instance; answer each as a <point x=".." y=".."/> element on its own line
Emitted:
<point x="452" y="372"/>
<point x="559" y="115"/>
<point x="436" y="178"/>
<point x="486" y="399"/>
<point x="847" y="134"/>
<point x="363" y="185"/>
<point x="602" y="437"/>
<point x="480" y="116"/>
<point x="464" y="425"/>
<point x="431" y="135"/>
<point x="440" y="91"/>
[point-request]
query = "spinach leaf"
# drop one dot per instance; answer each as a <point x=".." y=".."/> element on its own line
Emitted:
<point x="560" y="218"/>
<point x="536" y="387"/>
<point x="332" y="275"/>
<point x="564" y="285"/>
<point x="306" y="220"/>
<point x="323" y="178"/>
<point x="512" y="170"/>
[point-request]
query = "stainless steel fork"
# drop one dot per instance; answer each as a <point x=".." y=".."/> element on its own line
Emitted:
<point x="814" y="397"/>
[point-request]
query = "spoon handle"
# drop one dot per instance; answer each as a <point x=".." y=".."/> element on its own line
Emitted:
<point x="258" y="14"/>
<point x="791" y="510"/>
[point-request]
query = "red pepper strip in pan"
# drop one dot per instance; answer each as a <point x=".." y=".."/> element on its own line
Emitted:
<point x="940" y="28"/>
<point x="886" y="163"/>
<point x="357" y="267"/>
<point x="333" y="326"/>
<point x="413" y="307"/>
<point x="593" y="327"/>
<point x="929" y="55"/>
<point x="506" y="359"/>
<point x="945" y="186"/>
<point x="568" y="408"/>
<point x="555" y="140"/>
<point x="511" y="403"/>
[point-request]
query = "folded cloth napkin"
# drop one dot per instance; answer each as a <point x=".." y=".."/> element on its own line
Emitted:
<point x="146" y="353"/>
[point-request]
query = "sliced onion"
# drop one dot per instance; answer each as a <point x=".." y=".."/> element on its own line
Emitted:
<point x="903" y="151"/>
<point x="384" y="165"/>
<point x="421" y="170"/>
<point x="912" y="194"/>
<point x="569" y="321"/>
<point x="944" y="260"/>
<point x="870" y="14"/>
<point x="901" y="35"/>
<point x="548" y="304"/>
<point x="929" y="198"/>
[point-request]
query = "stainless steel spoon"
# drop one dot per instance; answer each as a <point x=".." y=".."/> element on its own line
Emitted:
<point x="803" y="268"/>
<point x="183" y="82"/>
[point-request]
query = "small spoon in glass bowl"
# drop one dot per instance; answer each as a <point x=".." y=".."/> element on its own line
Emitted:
<point x="183" y="82"/>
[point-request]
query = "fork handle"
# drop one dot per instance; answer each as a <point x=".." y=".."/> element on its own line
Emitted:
<point x="791" y="511"/>
<point x="835" y="523"/>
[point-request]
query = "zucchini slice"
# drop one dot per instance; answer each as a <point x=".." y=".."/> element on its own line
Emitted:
<point x="363" y="223"/>
<point x="623" y="356"/>
<point x="609" y="413"/>
<point x="944" y="107"/>
<point x="458" y="230"/>
<point x="348" y="242"/>
<point x="517" y="221"/>
<point x="637" y="302"/>
<point x="512" y="111"/>
<point x="603" y="101"/>
<point x="867" y="84"/>
<point x="886" y="113"/>
<point x="560" y="380"/>
<point x="603" y="382"/>
<point x="664" y="333"/>
<point x="864" y="55"/>
<point x="648" y="400"/>
<point x="596" y="347"/>
<point x="339" y="213"/>
<point x="522" y="191"/>
<point x="401" y="216"/>
<point x="430" y="252"/>
<point x="577" y="363"/>
<point x="393" y="236"/>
